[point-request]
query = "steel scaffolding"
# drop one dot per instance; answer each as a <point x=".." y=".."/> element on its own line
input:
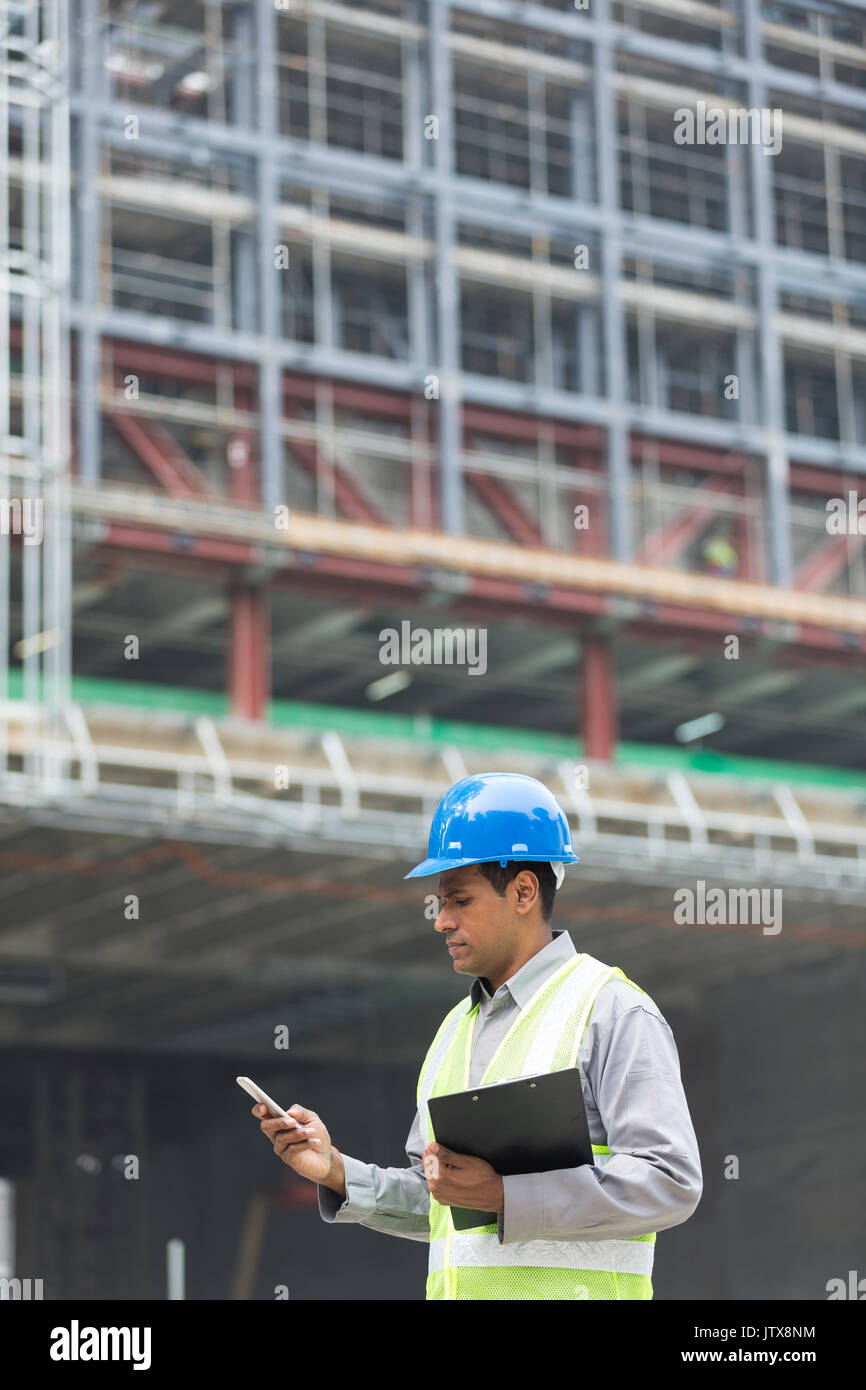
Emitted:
<point x="341" y="243"/>
<point x="552" y="128"/>
<point x="34" y="391"/>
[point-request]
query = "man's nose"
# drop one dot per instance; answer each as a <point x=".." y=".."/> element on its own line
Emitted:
<point x="445" y="920"/>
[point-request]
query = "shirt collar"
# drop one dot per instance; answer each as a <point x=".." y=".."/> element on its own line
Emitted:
<point x="525" y="982"/>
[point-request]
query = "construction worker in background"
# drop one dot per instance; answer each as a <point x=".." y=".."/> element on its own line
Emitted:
<point x="720" y="556"/>
<point x="499" y="843"/>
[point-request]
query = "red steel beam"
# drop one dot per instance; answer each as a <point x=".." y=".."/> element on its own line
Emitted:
<point x="826" y="482"/>
<point x="161" y="455"/>
<point x="826" y="563"/>
<point x="187" y="366"/>
<point x="348" y="579"/>
<point x="173" y="364"/>
<point x="366" y="400"/>
<point x="241" y="452"/>
<point x="496" y="495"/>
<point x="249" y="653"/>
<point x="512" y="424"/>
<point x="347" y="492"/>
<point x="678" y="453"/>
<point x="592" y="540"/>
<point x="598" y="717"/>
<point x="178" y="474"/>
<point x="743" y="547"/>
<point x="149" y="540"/>
<point x="663" y="546"/>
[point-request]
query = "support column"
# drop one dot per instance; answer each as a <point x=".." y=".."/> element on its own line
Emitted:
<point x="270" y="286"/>
<point x="421" y="345"/>
<point x="242" y="77"/>
<point x="777" y="482"/>
<point x="587" y="338"/>
<point x="607" y="192"/>
<point x="598" y="713"/>
<point x="249" y="653"/>
<point x="88" y="227"/>
<point x="447" y="288"/>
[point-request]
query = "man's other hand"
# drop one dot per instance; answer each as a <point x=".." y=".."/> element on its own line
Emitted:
<point x="457" y="1180"/>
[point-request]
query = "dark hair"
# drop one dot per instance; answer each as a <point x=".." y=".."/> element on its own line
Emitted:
<point x="500" y="878"/>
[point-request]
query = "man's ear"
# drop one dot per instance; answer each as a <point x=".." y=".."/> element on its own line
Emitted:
<point x="526" y="893"/>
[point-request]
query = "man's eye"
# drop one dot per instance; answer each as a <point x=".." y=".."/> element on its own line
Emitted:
<point x="463" y="902"/>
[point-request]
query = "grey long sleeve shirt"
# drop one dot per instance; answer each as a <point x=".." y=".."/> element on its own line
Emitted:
<point x="635" y="1104"/>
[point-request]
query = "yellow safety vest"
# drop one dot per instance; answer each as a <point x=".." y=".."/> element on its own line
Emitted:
<point x="545" y="1037"/>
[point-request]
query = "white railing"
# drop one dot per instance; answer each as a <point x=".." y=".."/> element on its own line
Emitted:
<point x="219" y="787"/>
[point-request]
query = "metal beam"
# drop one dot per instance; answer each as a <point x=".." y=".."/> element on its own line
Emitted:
<point x="450" y="432"/>
<point x="249" y="662"/>
<point x="613" y="318"/>
<point x="89" y="239"/>
<point x="269" y="272"/>
<point x="479" y="200"/>
<point x="496" y="495"/>
<point x="161" y="454"/>
<point x="391" y="552"/>
<point x="598" y="714"/>
<point x="487" y="391"/>
<point x="666" y="544"/>
<point x="824" y="565"/>
<point x="346" y="489"/>
<point x="777" y="482"/>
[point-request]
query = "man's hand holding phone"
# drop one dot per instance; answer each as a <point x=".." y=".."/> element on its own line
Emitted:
<point x="299" y="1138"/>
<point x="304" y="1145"/>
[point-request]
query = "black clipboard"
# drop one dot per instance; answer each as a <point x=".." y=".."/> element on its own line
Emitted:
<point x="535" y="1124"/>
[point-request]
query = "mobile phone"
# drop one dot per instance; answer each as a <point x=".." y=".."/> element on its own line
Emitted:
<point x="264" y="1099"/>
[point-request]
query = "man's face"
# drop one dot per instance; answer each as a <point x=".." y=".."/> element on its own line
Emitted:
<point x="481" y="930"/>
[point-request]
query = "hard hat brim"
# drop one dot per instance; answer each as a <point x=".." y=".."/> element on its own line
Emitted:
<point x="441" y="866"/>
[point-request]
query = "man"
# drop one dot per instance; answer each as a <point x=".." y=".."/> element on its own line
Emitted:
<point x="720" y="557"/>
<point x="498" y="843"/>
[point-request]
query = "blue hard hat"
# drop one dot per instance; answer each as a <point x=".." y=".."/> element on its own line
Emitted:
<point x="496" y="816"/>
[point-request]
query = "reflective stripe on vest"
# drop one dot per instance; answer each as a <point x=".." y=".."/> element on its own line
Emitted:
<point x="544" y="1037"/>
<point x="615" y="1256"/>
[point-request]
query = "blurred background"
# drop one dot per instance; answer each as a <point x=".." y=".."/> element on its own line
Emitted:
<point x="326" y="318"/>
